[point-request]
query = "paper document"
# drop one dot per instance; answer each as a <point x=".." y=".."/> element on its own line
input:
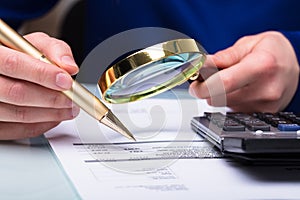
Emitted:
<point x="168" y="161"/>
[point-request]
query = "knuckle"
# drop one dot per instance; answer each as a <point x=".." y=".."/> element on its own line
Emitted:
<point x="38" y="34"/>
<point x="268" y="60"/>
<point x="16" y="92"/>
<point x="21" y="114"/>
<point x="41" y="34"/>
<point x="41" y="74"/>
<point x="57" y="44"/>
<point x="244" y="39"/>
<point x="10" y="64"/>
<point x="228" y="83"/>
<point x="274" y="35"/>
<point x="273" y="95"/>
<point x="57" y="100"/>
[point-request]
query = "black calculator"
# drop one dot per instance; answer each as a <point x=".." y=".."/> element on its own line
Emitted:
<point x="252" y="136"/>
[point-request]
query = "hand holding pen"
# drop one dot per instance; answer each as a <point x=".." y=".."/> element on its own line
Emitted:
<point x="35" y="95"/>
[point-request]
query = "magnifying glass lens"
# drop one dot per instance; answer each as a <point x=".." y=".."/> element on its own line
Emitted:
<point x="159" y="75"/>
<point x="164" y="70"/>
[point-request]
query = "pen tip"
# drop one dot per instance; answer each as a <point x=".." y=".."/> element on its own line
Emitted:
<point x="114" y="123"/>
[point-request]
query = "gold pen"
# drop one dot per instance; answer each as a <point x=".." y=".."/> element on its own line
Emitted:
<point x="78" y="94"/>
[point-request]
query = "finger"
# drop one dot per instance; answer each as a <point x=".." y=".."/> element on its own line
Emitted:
<point x="11" y="113"/>
<point x="235" y="77"/>
<point x="252" y="95"/>
<point x="234" y="54"/>
<point x="56" y="50"/>
<point x="12" y="131"/>
<point x="21" y="66"/>
<point x="24" y="93"/>
<point x="218" y="101"/>
<point x="223" y="59"/>
<point x="207" y="89"/>
<point x="208" y="69"/>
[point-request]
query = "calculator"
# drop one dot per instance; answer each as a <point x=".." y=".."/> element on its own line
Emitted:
<point x="252" y="136"/>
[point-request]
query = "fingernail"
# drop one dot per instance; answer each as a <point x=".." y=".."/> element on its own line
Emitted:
<point x="63" y="81"/>
<point x="68" y="60"/>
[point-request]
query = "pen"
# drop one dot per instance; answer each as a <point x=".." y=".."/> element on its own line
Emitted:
<point x="78" y="94"/>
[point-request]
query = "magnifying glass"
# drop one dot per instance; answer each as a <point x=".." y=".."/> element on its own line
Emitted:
<point x="152" y="70"/>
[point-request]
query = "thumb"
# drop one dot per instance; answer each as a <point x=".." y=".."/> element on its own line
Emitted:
<point x="227" y="57"/>
<point x="234" y="54"/>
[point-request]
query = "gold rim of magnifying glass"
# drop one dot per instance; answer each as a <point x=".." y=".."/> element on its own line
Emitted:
<point x="145" y="57"/>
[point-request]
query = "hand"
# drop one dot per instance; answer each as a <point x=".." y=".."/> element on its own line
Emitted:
<point x="30" y="98"/>
<point x="258" y="73"/>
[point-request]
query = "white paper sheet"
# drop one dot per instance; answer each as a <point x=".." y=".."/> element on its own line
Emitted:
<point x="169" y="161"/>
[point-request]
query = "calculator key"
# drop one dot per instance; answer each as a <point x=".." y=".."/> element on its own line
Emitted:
<point x="255" y="124"/>
<point x="258" y="126"/>
<point x="296" y="120"/>
<point x="234" y="128"/>
<point x="231" y="125"/>
<point x="288" y="127"/>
